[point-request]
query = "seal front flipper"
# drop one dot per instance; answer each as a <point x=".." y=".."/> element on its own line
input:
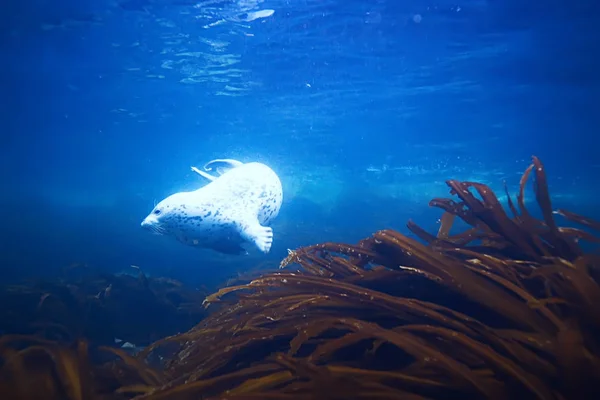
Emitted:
<point x="254" y="232"/>
<point x="204" y="174"/>
<point x="222" y="165"/>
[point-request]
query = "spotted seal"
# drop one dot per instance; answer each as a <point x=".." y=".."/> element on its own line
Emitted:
<point x="234" y="208"/>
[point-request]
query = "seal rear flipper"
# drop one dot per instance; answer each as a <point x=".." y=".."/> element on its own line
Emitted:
<point x="222" y="165"/>
<point x="204" y="174"/>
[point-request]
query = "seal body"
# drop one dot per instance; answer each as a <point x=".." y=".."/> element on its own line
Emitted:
<point x="232" y="209"/>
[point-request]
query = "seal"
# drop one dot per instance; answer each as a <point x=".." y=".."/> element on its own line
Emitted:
<point x="234" y="208"/>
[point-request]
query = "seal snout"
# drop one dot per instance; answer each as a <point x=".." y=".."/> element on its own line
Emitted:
<point x="148" y="222"/>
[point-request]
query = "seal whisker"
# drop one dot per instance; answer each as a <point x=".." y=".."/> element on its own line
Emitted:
<point x="157" y="229"/>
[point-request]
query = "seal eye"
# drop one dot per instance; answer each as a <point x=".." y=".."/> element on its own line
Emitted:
<point x="156" y="212"/>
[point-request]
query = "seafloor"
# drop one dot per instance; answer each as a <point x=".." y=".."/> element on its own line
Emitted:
<point x="508" y="309"/>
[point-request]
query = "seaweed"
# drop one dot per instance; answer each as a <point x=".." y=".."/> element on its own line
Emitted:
<point x="506" y="309"/>
<point x="99" y="307"/>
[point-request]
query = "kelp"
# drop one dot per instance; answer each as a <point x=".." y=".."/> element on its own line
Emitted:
<point x="508" y="308"/>
<point x="35" y="368"/>
<point x="99" y="307"/>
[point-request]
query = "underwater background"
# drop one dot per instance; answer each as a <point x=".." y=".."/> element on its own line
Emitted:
<point x="438" y="237"/>
<point x="363" y="108"/>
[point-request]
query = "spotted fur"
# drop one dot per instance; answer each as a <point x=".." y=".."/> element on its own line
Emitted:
<point x="233" y="209"/>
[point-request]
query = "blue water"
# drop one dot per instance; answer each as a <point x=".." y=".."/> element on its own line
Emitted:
<point x="363" y="108"/>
